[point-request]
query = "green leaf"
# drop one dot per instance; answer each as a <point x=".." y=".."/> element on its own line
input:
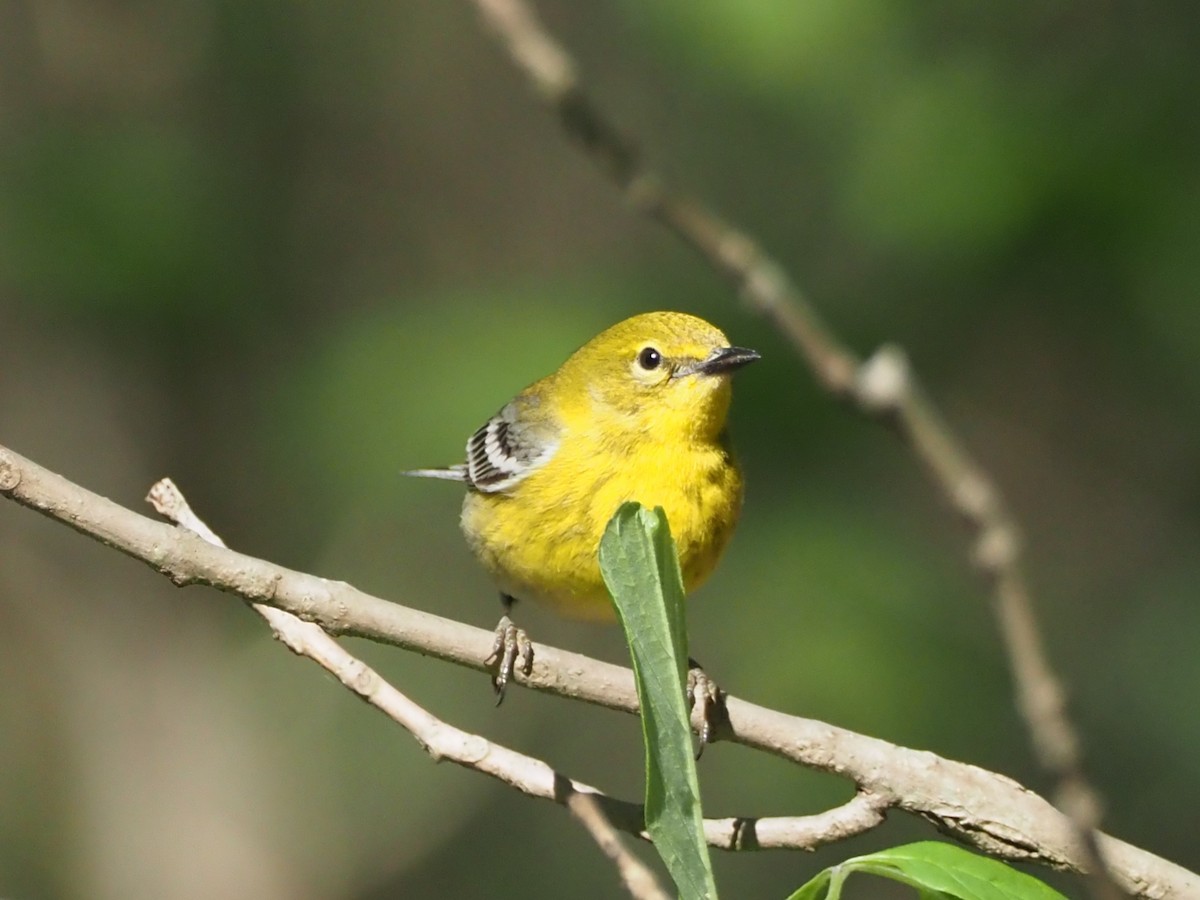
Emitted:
<point x="641" y="569"/>
<point x="936" y="870"/>
<point x="816" y="889"/>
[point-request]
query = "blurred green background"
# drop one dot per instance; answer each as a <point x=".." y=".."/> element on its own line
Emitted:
<point x="280" y="251"/>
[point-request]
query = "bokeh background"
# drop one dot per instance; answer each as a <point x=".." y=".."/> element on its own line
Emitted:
<point x="282" y="250"/>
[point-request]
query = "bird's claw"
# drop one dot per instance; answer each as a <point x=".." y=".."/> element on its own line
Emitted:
<point x="511" y="648"/>
<point x="704" y="695"/>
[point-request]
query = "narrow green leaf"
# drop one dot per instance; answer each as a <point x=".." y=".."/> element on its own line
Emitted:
<point x="937" y="870"/>
<point x="816" y="889"/>
<point x="641" y="568"/>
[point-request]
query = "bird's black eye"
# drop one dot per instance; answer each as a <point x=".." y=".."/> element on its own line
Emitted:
<point x="649" y="359"/>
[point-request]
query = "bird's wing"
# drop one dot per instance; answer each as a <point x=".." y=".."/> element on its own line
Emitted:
<point x="510" y="446"/>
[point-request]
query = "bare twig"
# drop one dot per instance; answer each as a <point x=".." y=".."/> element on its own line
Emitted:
<point x="635" y="875"/>
<point x="438" y="738"/>
<point x="882" y="386"/>
<point x="978" y="807"/>
<point x="859" y="814"/>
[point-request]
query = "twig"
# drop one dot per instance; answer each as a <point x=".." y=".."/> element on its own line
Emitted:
<point x="635" y="875"/>
<point x="859" y="814"/>
<point x="978" y="807"/>
<point x="440" y="739"/>
<point x="882" y="386"/>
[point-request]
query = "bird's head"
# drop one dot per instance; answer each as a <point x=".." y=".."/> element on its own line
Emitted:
<point x="662" y="371"/>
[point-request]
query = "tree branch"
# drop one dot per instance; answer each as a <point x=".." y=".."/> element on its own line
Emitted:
<point x="882" y="387"/>
<point x="637" y="878"/>
<point x="980" y="808"/>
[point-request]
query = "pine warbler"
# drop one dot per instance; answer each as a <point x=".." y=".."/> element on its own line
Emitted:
<point x="637" y="413"/>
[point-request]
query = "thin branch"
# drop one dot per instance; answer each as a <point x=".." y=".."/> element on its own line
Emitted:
<point x="635" y="875"/>
<point x="858" y="815"/>
<point x="980" y="808"/>
<point x="882" y="386"/>
<point x="438" y="738"/>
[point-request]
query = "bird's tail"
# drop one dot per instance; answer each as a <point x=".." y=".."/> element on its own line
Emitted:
<point x="451" y="473"/>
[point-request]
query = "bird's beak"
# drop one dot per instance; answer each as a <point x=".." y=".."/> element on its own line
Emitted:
<point x="721" y="360"/>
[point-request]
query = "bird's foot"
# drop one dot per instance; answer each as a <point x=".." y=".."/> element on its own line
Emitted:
<point x="704" y="695"/>
<point x="511" y="648"/>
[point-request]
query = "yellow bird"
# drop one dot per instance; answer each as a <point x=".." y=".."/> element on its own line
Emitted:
<point x="637" y="413"/>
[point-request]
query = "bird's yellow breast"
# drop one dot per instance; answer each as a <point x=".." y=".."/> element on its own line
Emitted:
<point x="540" y="542"/>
